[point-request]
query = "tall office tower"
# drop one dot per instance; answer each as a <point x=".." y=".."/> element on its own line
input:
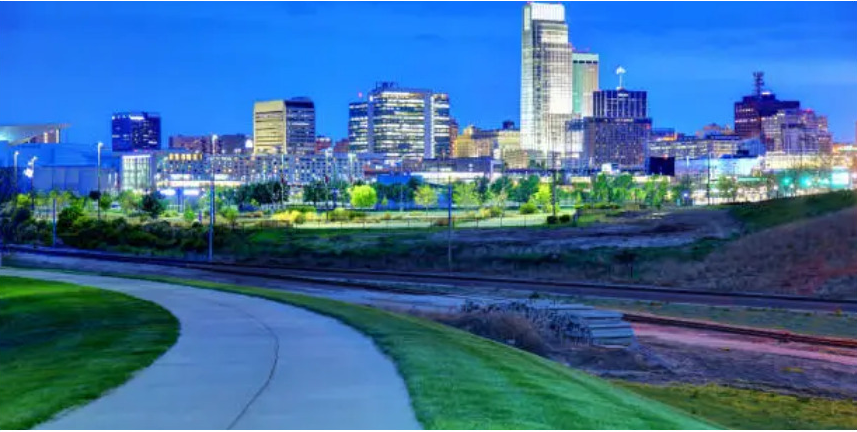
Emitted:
<point x="358" y="126"/>
<point x="620" y="103"/>
<point x="136" y="131"/>
<point x="401" y="123"/>
<point x="546" y="80"/>
<point x="796" y="131"/>
<point x="751" y="110"/>
<point x="585" y="82"/>
<point x="284" y="126"/>
<point x="616" y="134"/>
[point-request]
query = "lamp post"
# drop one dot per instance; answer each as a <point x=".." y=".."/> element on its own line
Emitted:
<point x="98" y="171"/>
<point x="32" y="174"/>
<point x="211" y="199"/>
<point x="15" y="173"/>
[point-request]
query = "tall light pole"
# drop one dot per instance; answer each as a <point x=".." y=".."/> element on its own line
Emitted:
<point x="98" y="171"/>
<point x="15" y="174"/>
<point x="211" y="199"/>
<point x="32" y="168"/>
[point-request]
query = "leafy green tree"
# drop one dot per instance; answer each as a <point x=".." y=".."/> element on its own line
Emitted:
<point x="542" y="197"/>
<point x="105" y="201"/>
<point x="602" y="188"/>
<point x="727" y="187"/>
<point x="656" y="189"/>
<point x="231" y="215"/>
<point x="683" y="188"/>
<point x="316" y="192"/>
<point x="621" y="188"/>
<point x="153" y="204"/>
<point x="425" y="196"/>
<point x="502" y="184"/>
<point x="128" y="201"/>
<point x="189" y="215"/>
<point x="526" y="188"/>
<point x="483" y="190"/>
<point x="464" y="194"/>
<point x="363" y="197"/>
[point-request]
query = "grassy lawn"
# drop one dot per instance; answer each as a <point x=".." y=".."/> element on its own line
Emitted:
<point x="62" y="345"/>
<point x="748" y="409"/>
<point x="767" y="214"/>
<point x="812" y="323"/>
<point x="460" y="381"/>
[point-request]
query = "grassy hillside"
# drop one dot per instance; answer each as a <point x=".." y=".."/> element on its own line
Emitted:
<point x="62" y="345"/>
<point x="767" y="214"/>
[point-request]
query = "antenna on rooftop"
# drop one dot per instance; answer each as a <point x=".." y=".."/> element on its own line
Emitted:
<point x="620" y="71"/>
<point x="759" y="82"/>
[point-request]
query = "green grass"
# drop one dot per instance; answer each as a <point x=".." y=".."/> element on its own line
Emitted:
<point x="767" y="214"/>
<point x="460" y="381"/>
<point x="62" y="345"/>
<point x="812" y="323"/>
<point x="750" y="409"/>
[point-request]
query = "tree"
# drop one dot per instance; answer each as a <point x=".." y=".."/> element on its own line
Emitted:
<point x="526" y="188"/>
<point x="128" y="201"/>
<point x="425" y="196"/>
<point x="542" y="197"/>
<point x="363" y="196"/>
<point x="683" y="189"/>
<point x="189" y="215"/>
<point x="727" y="187"/>
<point x="153" y="204"/>
<point x="656" y="191"/>
<point x="105" y="201"/>
<point x="621" y="188"/>
<point x="464" y="194"/>
<point x="483" y="189"/>
<point x="502" y="184"/>
<point x="231" y="215"/>
<point x="602" y="188"/>
<point x="316" y="192"/>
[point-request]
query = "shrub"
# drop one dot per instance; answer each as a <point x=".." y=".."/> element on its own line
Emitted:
<point x="552" y="220"/>
<point x="564" y="218"/>
<point x="495" y="211"/>
<point x="528" y="208"/>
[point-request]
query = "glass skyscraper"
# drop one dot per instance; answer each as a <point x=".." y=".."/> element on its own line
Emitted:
<point x="136" y="131"/>
<point x="284" y="126"/>
<point x="401" y="123"/>
<point x="585" y="82"/>
<point x="546" y="80"/>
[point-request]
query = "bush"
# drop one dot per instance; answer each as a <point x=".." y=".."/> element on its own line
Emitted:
<point x="564" y="218"/>
<point x="440" y="222"/>
<point x="67" y="217"/>
<point x="495" y="211"/>
<point x="528" y="208"/>
<point x="304" y="208"/>
<point x="552" y="220"/>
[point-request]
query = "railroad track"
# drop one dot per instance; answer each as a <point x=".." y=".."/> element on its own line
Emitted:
<point x="306" y="275"/>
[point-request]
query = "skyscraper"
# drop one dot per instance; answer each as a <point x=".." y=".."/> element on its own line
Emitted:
<point x="284" y="126"/>
<point x="136" y="131"/>
<point x="401" y="123"/>
<point x="751" y="110"/>
<point x="585" y="82"/>
<point x="616" y="134"/>
<point x="546" y="80"/>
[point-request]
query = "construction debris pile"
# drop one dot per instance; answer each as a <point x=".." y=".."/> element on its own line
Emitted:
<point x="574" y="323"/>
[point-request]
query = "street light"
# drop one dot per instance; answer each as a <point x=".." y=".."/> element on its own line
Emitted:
<point x="15" y="173"/>
<point x="98" y="171"/>
<point x="211" y="199"/>
<point x="31" y="173"/>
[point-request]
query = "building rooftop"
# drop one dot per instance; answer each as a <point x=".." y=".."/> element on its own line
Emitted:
<point x="18" y="134"/>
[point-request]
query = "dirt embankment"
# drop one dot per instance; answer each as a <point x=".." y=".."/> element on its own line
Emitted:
<point x="812" y="257"/>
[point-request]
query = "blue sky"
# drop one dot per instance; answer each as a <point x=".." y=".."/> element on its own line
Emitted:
<point x="201" y="65"/>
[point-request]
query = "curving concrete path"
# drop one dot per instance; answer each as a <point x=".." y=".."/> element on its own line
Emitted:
<point x="245" y="363"/>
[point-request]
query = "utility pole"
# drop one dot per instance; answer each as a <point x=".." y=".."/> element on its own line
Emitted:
<point x="211" y="203"/>
<point x="553" y="179"/>
<point x="98" y="170"/>
<point x="449" y="223"/>
<point x="54" y="229"/>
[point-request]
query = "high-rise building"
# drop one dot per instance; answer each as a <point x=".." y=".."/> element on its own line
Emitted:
<point x="284" y="126"/>
<point x="584" y="83"/>
<point x="751" y="111"/>
<point x="618" y="132"/>
<point x="401" y="123"/>
<point x="796" y="131"/>
<point x="546" y="80"/>
<point x="226" y="144"/>
<point x="620" y="103"/>
<point x="136" y="131"/>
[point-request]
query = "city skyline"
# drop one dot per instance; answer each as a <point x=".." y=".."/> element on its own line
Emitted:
<point x="85" y="88"/>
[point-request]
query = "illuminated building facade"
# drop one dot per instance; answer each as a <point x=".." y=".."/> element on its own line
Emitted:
<point x="751" y="111"/>
<point x="136" y="131"/>
<point x="796" y="131"/>
<point x="620" y="103"/>
<point x="403" y="123"/>
<point x="546" y="80"/>
<point x="226" y="144"/>
<point x="584" y="83"/>
<point x="617" y="134"/>
<point x="284" y="126"/>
